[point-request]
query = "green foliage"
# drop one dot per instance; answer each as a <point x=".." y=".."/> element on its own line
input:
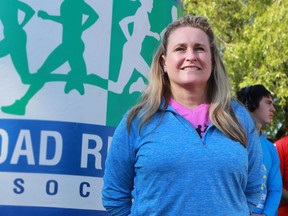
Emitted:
<point x="253" y="39"/>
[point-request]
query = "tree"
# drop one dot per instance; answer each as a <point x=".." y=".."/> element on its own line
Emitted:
<point x="252" y="39"/>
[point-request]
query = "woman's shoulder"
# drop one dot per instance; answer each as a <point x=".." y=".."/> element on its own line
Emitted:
<point x="243" y="115"/>
<point x="239" y="108"/>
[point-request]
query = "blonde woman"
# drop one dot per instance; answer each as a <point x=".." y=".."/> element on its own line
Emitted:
<point x="187" y="148"/>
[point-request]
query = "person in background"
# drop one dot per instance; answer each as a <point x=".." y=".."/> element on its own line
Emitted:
<point x="187" y="148"/>
<point x="259" y="101"/>
<point x="282" y="148"/>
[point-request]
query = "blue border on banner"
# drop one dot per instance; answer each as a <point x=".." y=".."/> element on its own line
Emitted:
<point x="29" y="146"/>
<point x="34" y="211"/>
<point x="25" y="134"/>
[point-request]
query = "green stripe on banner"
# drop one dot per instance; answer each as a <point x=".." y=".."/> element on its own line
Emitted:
<point x="136" y="30"/>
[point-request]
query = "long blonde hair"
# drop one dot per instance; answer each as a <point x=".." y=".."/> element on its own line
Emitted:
<point x="218" y="90"/>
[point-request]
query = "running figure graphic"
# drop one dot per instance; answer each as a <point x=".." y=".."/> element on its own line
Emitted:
<point x="131" y="53"/>
<point x="15" y="38"/>
<point x="71" y="49"/>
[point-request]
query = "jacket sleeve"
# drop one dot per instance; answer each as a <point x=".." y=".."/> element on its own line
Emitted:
<point x="118" y="174"/>
<point x="255" y="179"/>
<point x="274" y="184"/>
<point x="256" y="173"/>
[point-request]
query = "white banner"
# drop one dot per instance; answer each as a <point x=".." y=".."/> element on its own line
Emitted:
<point x="69" y="70"/>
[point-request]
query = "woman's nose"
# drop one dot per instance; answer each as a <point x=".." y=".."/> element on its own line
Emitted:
<point x="191" y="55"/>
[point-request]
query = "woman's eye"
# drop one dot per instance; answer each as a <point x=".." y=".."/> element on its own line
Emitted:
<point x="199" y="49"/>
<point x="180" y="49"/>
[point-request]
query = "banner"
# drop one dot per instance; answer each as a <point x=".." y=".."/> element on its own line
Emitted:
<point x="69" y="70"/>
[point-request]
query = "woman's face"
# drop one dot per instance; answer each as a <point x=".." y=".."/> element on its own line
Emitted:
<point x="188" y="60"/>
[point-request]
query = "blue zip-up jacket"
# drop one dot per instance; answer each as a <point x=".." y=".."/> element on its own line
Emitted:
<point x="170" y="170"/>
<point x="271" y="197"/>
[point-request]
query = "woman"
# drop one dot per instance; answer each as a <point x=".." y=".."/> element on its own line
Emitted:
<point x="186" y="148"/>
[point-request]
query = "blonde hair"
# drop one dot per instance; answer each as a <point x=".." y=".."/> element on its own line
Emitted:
<point x="218" y="90"/>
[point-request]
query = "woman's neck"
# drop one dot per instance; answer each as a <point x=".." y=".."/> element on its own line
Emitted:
<point x="190" y="99"/>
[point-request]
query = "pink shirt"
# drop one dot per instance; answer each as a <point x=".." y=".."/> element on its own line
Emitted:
<point x="198" y="117"/>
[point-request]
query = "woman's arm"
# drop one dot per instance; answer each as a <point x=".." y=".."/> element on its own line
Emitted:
<point x="256" y="173"/>
<point x="119" y="174"/>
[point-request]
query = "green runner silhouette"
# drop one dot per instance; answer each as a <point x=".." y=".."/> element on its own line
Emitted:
<point x="71" y="49"/>
<point x="131" y="53"/>
<point x="15" y="39"/>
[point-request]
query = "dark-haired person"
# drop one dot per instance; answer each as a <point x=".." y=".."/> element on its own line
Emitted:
<point x="259" y="102"/>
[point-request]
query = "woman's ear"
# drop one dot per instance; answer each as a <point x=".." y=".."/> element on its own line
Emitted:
<point x="163" y="63"/>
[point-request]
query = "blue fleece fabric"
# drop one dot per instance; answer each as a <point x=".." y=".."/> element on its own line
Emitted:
<point x="273" y="186"/>
<point x="169" y="170"/>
